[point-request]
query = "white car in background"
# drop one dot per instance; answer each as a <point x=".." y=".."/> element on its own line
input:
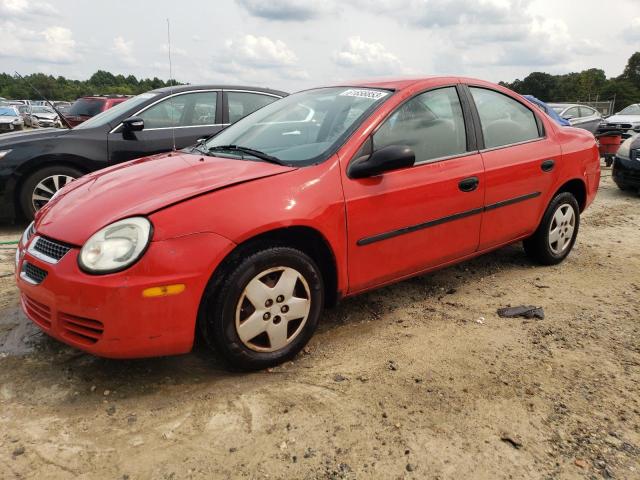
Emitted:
<point x="580" y="116"/>
<point x="10" y="119"/>
<point x="626" y="120"/>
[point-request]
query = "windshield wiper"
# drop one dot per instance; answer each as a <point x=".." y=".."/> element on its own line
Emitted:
<point x="249" y="151"/>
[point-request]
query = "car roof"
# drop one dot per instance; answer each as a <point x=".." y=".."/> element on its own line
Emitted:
<point x="402" y="83"/>
<point x="188" y="88"/>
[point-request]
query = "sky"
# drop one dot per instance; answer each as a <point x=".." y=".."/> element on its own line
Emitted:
<point x="293" y="44"/>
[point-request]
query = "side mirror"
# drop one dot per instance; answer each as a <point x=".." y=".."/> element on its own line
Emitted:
<point x="133" y="124"/>
<point x="392" y="157"/>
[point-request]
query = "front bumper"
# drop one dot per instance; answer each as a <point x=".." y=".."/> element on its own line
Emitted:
<point x="626" y="173"/>
<point x="107" y="315"/>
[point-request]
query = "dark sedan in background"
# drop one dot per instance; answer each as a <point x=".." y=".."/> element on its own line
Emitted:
<point x="626" y="165"/>
<point x="36" y="164"/>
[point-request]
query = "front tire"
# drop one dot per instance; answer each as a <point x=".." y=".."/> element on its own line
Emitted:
<point x="265" y="308"/>
<point x="41" y="185"/>
<point x="557" y="232"/>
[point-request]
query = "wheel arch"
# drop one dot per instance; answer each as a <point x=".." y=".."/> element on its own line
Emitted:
<point x="577" y="188"/>
<point x="307" y="239"/>
<point x="24" y="171"/>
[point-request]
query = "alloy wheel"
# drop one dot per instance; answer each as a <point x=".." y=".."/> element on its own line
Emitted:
<point x="273" y="309"/>
<point x="46" y="189"/>
<point x="563" y="224"/>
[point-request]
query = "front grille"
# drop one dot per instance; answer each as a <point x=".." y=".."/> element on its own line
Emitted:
<point x="33" y="274"/>
<point x="624" y="126"/>
<point x="38" y="312"/>
<point x="79" y="329"/>
<point x="51" y="249"/>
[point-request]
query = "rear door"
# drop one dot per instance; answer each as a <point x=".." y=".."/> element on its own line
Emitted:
<point x="183" y="117"/>
<point x="520" y="163"/>
<point x="405" y="221"/>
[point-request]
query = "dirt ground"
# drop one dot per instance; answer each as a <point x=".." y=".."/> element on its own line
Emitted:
<point x="418" y="380"/>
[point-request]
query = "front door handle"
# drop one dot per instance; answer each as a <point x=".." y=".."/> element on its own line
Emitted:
<point x="468" y="184"/>
<point x="547" y="165"/>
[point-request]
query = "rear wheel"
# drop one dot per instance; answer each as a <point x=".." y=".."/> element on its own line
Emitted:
<point x="41" y="185"/>
<point x="265" y="309"/>
<point x="557" y="232"/>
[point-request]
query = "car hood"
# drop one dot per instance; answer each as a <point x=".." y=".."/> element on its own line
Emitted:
<point x="48" y="116"/>
<point x="623" y="119"/>
<point x="7" y="118"/>
<point x="141" y="187"/>
<point x="10" y="139"/>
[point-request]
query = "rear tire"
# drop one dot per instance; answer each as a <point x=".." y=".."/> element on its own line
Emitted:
<point x="42" y="184"/>
<point x="554" y="239"/>
<point x="264" y="308"/>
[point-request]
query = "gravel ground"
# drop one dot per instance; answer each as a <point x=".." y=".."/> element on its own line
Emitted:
<point x="417" y="380"/>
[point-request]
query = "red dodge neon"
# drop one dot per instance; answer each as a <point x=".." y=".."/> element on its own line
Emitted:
<point x="245" y="237"/>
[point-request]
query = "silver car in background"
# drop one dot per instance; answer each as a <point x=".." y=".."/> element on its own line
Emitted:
<point x="10" y="119"/>
<point x="580" y="116"/>
<point x="40" y="116"/>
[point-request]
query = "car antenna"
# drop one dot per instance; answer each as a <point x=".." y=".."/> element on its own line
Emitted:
<point x="62" y="119"/>
<point x="173" y="126"/>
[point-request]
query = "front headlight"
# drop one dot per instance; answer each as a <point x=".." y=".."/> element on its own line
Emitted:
<point x="116" y="246"/>
<point x="26" y="235"/>
<point x="3" y="153"/>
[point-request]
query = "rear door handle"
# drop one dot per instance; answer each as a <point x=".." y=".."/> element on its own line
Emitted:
<point x="547" y="165"/>
<point x="468" y="184"/>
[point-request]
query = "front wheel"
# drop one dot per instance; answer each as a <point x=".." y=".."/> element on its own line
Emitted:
<point x="557" y="232"/>
<point x="265" y="309"/>
<point x="41" y="185"/>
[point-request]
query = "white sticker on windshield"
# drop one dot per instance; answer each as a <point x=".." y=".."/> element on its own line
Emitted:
<point x="364" y="93"/>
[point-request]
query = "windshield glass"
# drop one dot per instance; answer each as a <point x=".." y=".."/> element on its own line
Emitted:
<point x="7" y="111"/>
<point x="631" y="110"/>
<point x="303" y="128"/>
<point x="41" y="110"/>
<point x="87" y="107"/>
<point x="558" y="109"/>
<point x="114" y="112"/>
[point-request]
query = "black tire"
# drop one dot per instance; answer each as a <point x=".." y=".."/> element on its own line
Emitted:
<point x="538" y="247"/>
<point x="220" y="301"/>
<point x="27" y="189"/>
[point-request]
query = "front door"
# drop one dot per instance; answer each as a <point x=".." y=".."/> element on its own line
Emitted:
<point x="182" y="118"/>
<point x="405" y="221"/>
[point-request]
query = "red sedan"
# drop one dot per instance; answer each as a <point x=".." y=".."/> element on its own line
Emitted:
<point x="245" y="237"/>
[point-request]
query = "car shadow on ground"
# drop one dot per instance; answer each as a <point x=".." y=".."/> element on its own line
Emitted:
<point x="48" y="361"/>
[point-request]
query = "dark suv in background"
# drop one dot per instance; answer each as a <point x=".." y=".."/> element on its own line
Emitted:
<point x="34" y="165"/>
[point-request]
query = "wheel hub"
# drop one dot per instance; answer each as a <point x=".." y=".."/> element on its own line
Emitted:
<point x="273" y="309"/>
<point x="563" y="224"/>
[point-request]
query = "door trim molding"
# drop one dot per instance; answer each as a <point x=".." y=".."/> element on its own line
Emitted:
<point x="449" y="218"/>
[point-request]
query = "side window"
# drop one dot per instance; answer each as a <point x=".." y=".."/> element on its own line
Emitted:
<point x="504" y="120"/>
<point x="573" y="112"/>
<point x="431" y="123"/>
<point x="586" y="112"/>
<point x="242" y="104"/>
<point x="186" y="110"/>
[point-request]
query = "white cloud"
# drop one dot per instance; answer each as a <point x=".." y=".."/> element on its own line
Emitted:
<point x="25" y="8"/>
<point x="632" y="33"/>
<point x="368" y="58"/>
<point x="123" y="50"/>
<point x="288" y="10"/>
<point x="245" y="56"/>
<point x="52" y="45"/>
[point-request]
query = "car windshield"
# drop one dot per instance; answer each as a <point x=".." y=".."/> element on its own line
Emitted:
<point x="558" y="109"/>
<point x="300" y="129"/>
<point x="114" y="112"/>
<point x="631" y="110"/>
<point x="41" y="110"/>
<point x="7" y="111"/>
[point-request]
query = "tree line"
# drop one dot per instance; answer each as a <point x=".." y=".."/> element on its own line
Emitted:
<point x="588" y="85"/>
<point x="61" y="88"/>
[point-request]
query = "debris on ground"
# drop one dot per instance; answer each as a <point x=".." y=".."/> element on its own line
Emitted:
<point x="524" y="311"/>
<point x="512" y="440"/>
